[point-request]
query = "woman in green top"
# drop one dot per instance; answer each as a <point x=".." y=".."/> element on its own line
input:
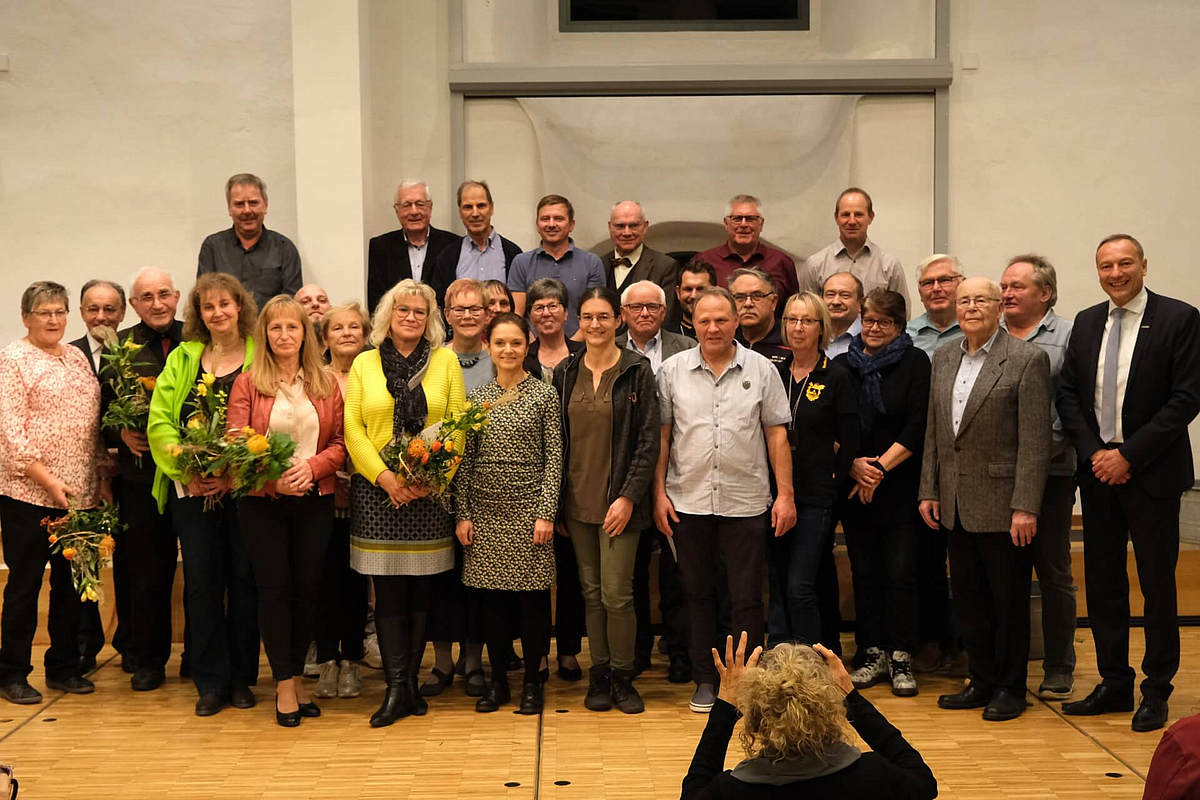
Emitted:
<point x="222" y="637"/>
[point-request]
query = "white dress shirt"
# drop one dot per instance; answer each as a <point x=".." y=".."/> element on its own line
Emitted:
<point x="964" y="381"/>
<point x="621" y="273"/>
<point x="416" y="256"/>
<point x="1131" y="323"/>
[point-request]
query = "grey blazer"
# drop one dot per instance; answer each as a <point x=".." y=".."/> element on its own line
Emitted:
<point x="672" y="343"/>
<point x="999" y="460"/>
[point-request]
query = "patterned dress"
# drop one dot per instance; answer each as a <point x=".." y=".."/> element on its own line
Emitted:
<point x="509" y="478"/>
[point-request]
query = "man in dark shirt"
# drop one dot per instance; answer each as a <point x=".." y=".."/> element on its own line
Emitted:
<point x="412" y="251"/>
<point x="266" y="262"/>
<point x="758" y="327"/>
<point x="152" y="548"/>
<point x="694" y="277"/>
<point x="743" y="229"/>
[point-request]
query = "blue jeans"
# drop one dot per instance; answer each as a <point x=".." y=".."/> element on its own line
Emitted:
<point x="223" y="636"/>
<point x="793" y="561"/>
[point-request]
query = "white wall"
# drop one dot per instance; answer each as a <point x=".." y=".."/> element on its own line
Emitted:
<point x="119" y="123"/>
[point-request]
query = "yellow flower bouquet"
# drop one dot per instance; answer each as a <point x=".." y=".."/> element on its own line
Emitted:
<point x="130" y="405"/>
<point x="430" y="457"/>
<point x="85" y="538"/>
<point x="249" y="459"/>
<point x="202" y="438"/>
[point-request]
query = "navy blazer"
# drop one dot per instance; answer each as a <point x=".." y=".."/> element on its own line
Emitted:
<point x="446" y="269"/>
<point x="1162" y="395"/>
<point x="387" y="261"/>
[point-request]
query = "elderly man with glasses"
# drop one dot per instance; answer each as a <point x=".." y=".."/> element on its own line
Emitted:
<point x="758" y="326"/>
<point x="410" y="252"/>
<point x="937" y="279"/>
<point x="744" y="222"/>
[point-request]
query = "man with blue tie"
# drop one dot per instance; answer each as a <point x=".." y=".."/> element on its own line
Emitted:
<point x="1130" y="385"/>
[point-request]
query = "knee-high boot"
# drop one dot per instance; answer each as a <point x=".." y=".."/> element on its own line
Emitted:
<point x="416" y="651"/>
<point x="394" y="637"/>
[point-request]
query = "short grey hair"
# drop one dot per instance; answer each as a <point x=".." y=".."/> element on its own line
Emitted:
<point x="1043" y="273"/>
<point x="41" y="292"/>
<point x="94" y="282"/>
<point x="662" y="295"/>
<point x="146" y="272"/>
<point x="412" y="183"/>
<point x="743" y="198"/>
<point x="751" y="272"/>
<point x="547" y="289"/>
<point x="641" y="210"/>
<point x="926" y="263"/>
<point x="245" y="179"/>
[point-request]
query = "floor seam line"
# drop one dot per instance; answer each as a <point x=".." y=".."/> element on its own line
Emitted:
<point x="43" y="707"/>
<point x="1058" y="712"/>
<point x="537" y="758"/>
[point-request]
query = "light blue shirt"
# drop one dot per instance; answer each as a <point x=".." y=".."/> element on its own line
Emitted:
<point x="1053" y="334"/>
<point x="482" y="265"/>
<point x="964" y="381"/>
<point x="840" y="344"/>
<point x="929" y="337"/>
<point x="578" y="269"/>
<point x="718" y="459"/>
<point x="653" y="350"/>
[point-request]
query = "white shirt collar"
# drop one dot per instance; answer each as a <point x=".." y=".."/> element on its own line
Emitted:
<point x="1136" y="306"/>
<point x="633" y="257"/>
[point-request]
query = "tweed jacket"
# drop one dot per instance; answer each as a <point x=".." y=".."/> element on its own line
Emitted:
<point x="999" y="460"/>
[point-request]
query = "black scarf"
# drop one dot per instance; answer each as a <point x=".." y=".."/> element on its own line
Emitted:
<point x="870" y="400"/>
<point x="403" y="377"/>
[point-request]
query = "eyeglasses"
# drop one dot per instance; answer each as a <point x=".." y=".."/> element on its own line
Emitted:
<point x="587" y="319"/>
<point x="405" y="311"/>
<point x="46" y="316"/>
<point x="744" y="219"/>
<point x="944" y="282"/>
<point x="637" y="308"/>
<point x="977" y="302"/>
<point x="757" y="297"/>
<point x="97" y="309"/>
<point x="163" y="297"/>
<point x="881" y="324"/>
<point x="420" y="205"/>
<point x="546" y="308"/>
<point x="804" y="322"/>
<point x="626" y="226"/>
<point x="459" y="311"/>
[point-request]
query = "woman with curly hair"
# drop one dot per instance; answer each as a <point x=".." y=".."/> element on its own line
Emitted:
<point x="794" y="706"/>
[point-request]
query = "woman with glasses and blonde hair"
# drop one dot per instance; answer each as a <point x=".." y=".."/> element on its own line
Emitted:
<point x="823" y="434"/>
<point x="794" y="703"/>
<point x="879" y="515"/>
<point x="401" y="535"/>
<point x="287" y="524"/>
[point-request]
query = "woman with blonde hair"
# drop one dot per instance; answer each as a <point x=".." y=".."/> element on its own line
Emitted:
<point x="287" y="524"/>
<point x="795" y="704"/>
<point x="219" y="588"/>
<point x="401" y="535"/>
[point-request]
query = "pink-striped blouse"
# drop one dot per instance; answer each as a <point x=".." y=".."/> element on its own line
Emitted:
<point x="49" y="412"/>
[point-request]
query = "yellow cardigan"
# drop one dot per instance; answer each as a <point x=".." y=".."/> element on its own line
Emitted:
<point x="369" y="404"/>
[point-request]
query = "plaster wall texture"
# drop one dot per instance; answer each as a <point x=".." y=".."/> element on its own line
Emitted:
<point x="119" y="124"/>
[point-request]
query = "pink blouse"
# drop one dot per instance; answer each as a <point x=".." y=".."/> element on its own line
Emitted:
<point x="49" y="412"/>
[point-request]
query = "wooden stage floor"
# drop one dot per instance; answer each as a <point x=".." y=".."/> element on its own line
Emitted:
<point x="120" y="744"/>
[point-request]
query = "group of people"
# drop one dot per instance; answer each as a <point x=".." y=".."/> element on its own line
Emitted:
<point x="729" y="411"/>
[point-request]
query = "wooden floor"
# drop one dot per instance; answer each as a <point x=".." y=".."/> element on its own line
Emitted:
<point x="120" y="744"/>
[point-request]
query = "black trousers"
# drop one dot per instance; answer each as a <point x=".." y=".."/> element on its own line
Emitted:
<point x="152" y="552"/>
<point x="670" y="597"/>
<point x="1052" y="564"/>
<point x="91" y="626"/>
<point x="829" y="596"/>
<point x="454" y="612"/>
<point x="1112" y="516"/>
<point x="287" y="539"/>
<point x="882" y="545"/>
<point x="531" y="612"/>
<point x="342" y="606"/>
<point x="569" y="621"/>
<point x="934" y="622"/>
<point x="26" y="551"/>
<point x="741" y="541"/>
<point x="990" y="577"/>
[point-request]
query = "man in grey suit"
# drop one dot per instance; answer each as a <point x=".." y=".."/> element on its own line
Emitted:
<point x="643" y="309"/>
<point x="987" y="454"/>
<point x="631" y="261"/>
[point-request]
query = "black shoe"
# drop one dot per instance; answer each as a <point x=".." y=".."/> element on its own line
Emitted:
<point x="568" y="673"/>
<point x="624" y="696"/>
<point x="21" y="693"/>
<point x="1151" y="715"/>
<point x="242" y="697"/>
<point x="680" y="670"/>
<point x="128" y="663"/>
<point x="515" y="662"/>
<point x="599" y="693"/>
<point x="1102" y="700"/>
<point x="1005" y="704"/>
<point x="641" y="662"/>
<point x="289" y="720"/>
<point x="495" y="695"/>
<point x="532" y="699"/>
<point x="147" y="680"/>
<point x="418" y="707"/>
<point x="73" y="684"/>
<point x="310" y="709"/>
<point x="439" y="683"/>
<point x="86" y="664"/>
<point x="185" y="665"/>
<point x="471" y="689"/>
<point x="970" y="697"/>
<point x="210" y="703"/>
<point x="397" y="704"/>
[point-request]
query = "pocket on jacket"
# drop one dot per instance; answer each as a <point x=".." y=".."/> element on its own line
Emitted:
<point x="1001" y="470"/>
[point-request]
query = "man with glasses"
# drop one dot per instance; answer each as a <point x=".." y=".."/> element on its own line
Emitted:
<point x="632" y="261"/>
<point x="983" y="474"/>
<point x="854" y="252"/>
<point x="843" y="295"/>
<point x="758" y="327"/>
<point x="937" y="279"/>
<point x="743" y="230"/>
<point x="694" y="277"/>
<point x="410" y="252"/>
<point x="481" y="255"/>
<point x="266" y="262"/>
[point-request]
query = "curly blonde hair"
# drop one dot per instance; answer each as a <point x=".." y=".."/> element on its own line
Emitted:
<point x="790" y="706"/>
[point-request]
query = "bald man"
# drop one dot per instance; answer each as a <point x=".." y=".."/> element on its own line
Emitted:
<point x="632" y="261"/>
<point x="315" y="300"/>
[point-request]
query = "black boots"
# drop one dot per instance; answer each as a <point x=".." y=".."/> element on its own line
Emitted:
<point x="416" y="651"/>
<point x="393" y="635"/>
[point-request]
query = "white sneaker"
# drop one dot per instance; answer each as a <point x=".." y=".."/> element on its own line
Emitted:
<point x="349" y="682"/>
<point x="371" y="656"/>
<point x="327" y="680"/>
<point x="873" y="670"/>
<point x="311" y="668"/>
<point x="903" y="682"/>
<point x="702" y="701"/>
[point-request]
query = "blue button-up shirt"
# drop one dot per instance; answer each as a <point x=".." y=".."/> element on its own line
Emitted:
<point x="929" y="337"/>
<point x="578" y="269"/>
<point x="482" y="265"/>
<point x="840" y="344"/>
<point x="1053" y="334"/>
<point x="718" y="459"/>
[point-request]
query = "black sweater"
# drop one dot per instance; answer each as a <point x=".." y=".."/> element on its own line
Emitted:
<point x="893" y="770"/>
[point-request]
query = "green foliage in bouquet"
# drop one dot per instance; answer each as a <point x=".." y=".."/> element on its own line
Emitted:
<point x="430" y="457"/>
<point x="85" y="538"/>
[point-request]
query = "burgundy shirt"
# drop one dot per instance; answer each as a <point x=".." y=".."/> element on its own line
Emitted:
<point x="774" y="262"/>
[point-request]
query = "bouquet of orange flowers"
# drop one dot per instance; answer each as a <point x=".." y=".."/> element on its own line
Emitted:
<point x="85" y="538"/>
<point x="249" y="459"/>
<point x="130" y="406"/>
<point x="430" y="457"/>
